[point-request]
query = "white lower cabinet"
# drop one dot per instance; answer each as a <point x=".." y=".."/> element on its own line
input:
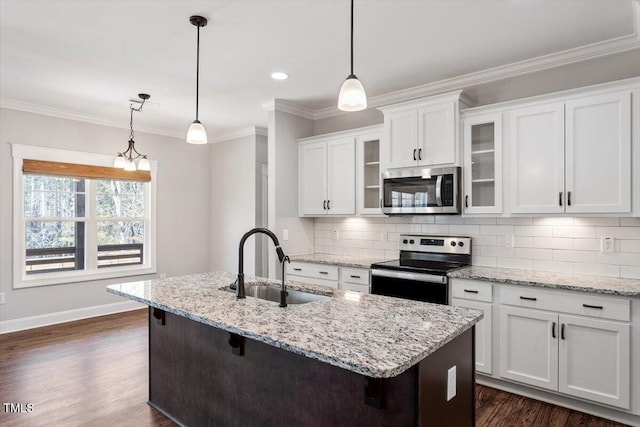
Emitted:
<point x="345" y="278"/>
<point x="575" y="355"/>
<point x="478" y="296"/>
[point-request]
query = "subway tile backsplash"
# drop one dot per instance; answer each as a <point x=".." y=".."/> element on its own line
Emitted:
<point x="559" y="244"/>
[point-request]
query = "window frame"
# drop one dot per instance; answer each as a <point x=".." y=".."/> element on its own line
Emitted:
<point x="91" y="272"/>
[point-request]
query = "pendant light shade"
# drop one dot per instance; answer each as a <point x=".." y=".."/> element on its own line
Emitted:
<point x="352" y="95"/>
<point x="143" y="164"/>
<point x="197" y="133"/>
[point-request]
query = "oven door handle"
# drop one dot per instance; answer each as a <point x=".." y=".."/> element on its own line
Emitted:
<point x="418" y="277"/>
<point x="439" y="190"/>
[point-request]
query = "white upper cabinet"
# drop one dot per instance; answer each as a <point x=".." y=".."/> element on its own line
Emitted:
<point x="482" y="163"/>
<point x="572" y="156"/>
<point x="327" y="176"/>
<point x="368" y="176"/>
<point x="422" y="133"/>
<point x="598" y="154"/>
<point x="537" y="159"/>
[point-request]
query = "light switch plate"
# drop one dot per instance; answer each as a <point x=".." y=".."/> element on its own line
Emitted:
<point x="1" y="297"/>
<point x="451" y="383"/>
<point x="285" y="234"/>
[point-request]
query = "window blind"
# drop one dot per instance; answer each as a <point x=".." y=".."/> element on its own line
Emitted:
<point x="41" y="167"/>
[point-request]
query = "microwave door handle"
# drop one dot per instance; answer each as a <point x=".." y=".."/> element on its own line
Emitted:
<point x="439" y="190"/>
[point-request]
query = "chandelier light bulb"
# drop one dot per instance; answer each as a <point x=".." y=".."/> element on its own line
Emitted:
<point x="143" y="164"/>
<point x="119" y="162"/>
<point x="130" y="165"/>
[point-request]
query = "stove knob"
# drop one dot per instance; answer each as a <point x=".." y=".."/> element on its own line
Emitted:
<point x="453" y="243"/>
<point x="411" y="241"/>
<point x="405" y="241"/>
<point x="461" y="244"/>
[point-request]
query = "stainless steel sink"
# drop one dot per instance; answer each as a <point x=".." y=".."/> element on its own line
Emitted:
<point x="272" y="293"/>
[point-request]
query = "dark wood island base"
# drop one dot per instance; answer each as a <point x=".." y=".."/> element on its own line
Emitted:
<point x="200" y="375"/>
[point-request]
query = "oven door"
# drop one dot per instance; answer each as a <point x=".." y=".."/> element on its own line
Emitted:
<point x="421" y="191"/>
<point x="408" y="285"/>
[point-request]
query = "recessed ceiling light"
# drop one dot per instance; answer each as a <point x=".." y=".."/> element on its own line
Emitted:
<point x="279" y="75"/>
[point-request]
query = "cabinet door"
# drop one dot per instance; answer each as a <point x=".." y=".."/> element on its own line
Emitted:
<point x="594" y="360"/>
<point x="436" y="134"/>
<point x="598" y="154"/>
<point x="312" y="178"/>
<point x="401" y="139"/>
<point x="368" y="173"/>
<point x="483" y="164"/>
<point x="341" y="176"/>
<point x="537" y="159"/>
<point x="483" y="333"/>
<point x="528" y="348"/>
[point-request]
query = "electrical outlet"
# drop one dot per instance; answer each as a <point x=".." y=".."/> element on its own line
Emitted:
<point x="163" y="276"/>
<point x="1" y="297"/>
<point x="285" y="234"/>
<point x="508" y="240"/>
<point x="607" y="245"/>
<point x="336" y="234"/>
<point x="451" y="383"/>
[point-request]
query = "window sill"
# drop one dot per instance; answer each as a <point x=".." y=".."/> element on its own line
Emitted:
<point x="48" y="279"/>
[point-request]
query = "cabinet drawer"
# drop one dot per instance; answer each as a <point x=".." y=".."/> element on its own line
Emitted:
<point x="567" y="302"/>
<point x="319" y="271"/>
<point x="313" y="281"/>
<point x="472" y="290"/>
<point x="354" y="287"/>
<point x="358" y="276"/>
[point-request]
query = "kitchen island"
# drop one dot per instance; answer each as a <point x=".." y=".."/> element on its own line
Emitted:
<point x="352" y="359"/>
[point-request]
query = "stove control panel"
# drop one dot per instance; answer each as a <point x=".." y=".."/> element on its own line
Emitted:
<point x="437" y="244"/>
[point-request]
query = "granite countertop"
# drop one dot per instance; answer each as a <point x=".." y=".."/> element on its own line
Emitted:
<point x="340" y="260"/>
<point x="573" y="282"/>
<point x="371" y="335"/>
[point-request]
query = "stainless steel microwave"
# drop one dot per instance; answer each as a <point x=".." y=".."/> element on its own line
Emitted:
<point x="421" y="191"/>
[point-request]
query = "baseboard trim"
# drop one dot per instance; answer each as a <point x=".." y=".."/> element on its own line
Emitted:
<point x="559" y="400"/>
<point x="23" y="323"/>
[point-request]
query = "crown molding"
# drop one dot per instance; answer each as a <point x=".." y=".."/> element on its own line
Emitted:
<point x="240" y="133"/>
<point x="553" y="60"/>
<point x="288" y="107"/>
<point x="46" y="110"/>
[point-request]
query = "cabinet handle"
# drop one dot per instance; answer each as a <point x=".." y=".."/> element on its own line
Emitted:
<point x="355" y="277"/>
<point x="560" y="198"/>
<point x="471" y="291"/>
<point x="297" y="269"/>
<point x="466" y="201"/>
<point x="323" y="272"/>
<point x="562" y="331"/>
<point x="328" y="204"/>
<point x="324" y="205"/>
<point x="414" y="154"/>
<point x="569" y="198"/>
<point x="599" y="307"/>
<point x="553" y="330"/>
<point x="529" y="298"/>
<point x="419" y="153"/>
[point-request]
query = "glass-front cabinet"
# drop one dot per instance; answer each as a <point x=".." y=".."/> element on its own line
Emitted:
<point x="369" y="171"/>
<point x="482" y="164"/>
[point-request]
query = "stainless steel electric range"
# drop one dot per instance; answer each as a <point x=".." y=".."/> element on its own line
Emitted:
<point x="421" y="272"/>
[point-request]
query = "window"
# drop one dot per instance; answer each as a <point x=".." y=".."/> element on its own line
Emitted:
<point x="76" y="228"/>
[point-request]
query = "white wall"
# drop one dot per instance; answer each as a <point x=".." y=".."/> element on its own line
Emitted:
<point x="235" y="195"/>
<point x="183" y="206"/>
<point x="560" y="244"/>
<point x="284" y="129"/>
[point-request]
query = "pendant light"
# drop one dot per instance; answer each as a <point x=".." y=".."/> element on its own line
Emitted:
<point x="127" y="159"/>
<point x="352" y="95"/>
<point x="197" y="133"/>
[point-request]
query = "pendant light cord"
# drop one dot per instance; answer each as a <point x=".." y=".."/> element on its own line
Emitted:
<point x="198" y="72"/>
<point x="352" y="37"/>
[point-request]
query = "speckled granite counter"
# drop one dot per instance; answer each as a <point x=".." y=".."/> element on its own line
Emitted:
<point x="574" y="282"/>
<point x="340" y="260"/>
<point x="371" y="335"/>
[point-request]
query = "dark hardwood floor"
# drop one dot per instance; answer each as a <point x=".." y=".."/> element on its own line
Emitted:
<point x="94" y="373"/>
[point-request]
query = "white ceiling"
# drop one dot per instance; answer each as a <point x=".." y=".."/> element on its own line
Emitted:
<point x="88" y="58"/>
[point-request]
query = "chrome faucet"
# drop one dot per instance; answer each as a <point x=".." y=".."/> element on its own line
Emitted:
<point x="240" y="292"/>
